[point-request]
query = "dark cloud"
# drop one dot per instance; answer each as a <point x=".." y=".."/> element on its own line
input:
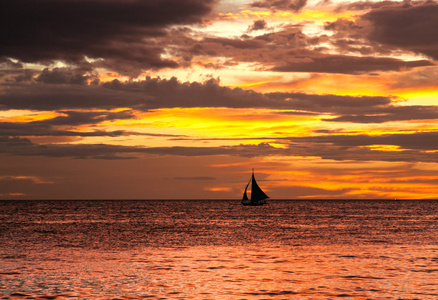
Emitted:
<point x="417" y="147"/>
<point x="290" y="50"/>
<point x="60" y="97"/>
<point x="366" y="5"/>
<point x="269" y="48"/>
<point x="8" y="63"/>
<point x="258" y="25"/>
<point x="24" y="147"/>
<point x="390" y="26"/>
<point x="348" y="64"/>
<point x="236" y="43"/>
<point x="330" y="103"/>
<point x="16" y="75"/>
<point x="389" y="113"/>
<point x="424" y="141"/>
<point x="85" y="118"/>
<point x="356" y="109"/>
<point x="153" y="93"/>
<point x="114" y="31"/>
<point x="350" y="37"/>
<point x="343" y="26"/>
<point x="11" y="71"/>
<point x="70" y="119"/>
<point x="68" y="126"/>
<point x="14" y="141"/>
<point x="293" y="5"/>
<point x="421" y="78"/>
<point x="360" y="154"/>
<point x="410" y="26"/>
<point x="64" y="76"/>
<point x="35" y="129"/>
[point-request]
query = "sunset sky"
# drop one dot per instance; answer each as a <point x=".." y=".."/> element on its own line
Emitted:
<point x="180" y="99"/>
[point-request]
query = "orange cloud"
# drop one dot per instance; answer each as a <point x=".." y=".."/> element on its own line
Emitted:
<point x="17" y="116"/>
<point x="305" y="15"/>
<point x="222" y="123"/>
<point x="317" y="178"/>
<point x="218" y="189"/>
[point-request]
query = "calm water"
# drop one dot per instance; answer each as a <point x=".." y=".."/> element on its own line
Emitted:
<point x="218" y="250"/>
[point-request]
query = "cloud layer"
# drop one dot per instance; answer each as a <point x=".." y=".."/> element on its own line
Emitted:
<point x="113" y="31"/>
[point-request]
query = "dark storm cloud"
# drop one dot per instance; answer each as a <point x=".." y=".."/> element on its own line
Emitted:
<point x="14" y="141"/>
<point x="60" y="97"/>
<point x="341" y="148"/>
<point x="338" y="153"/>
<point x="11" y="71"/>
<point x="64" y="76"/>
<point x="153" y="93"/>
<point x="389" y="113"/>
<point x="29" y="129"/>
<point x="236" y="43"/>
<point x="424" y="141"/>
<point x="42" y="129"/>
<point x="349" y="64"/>
<point x="71" y="119"/>
<point x="24" y="147"/>
<point x="8" y="63"/>
<point x="416" y="79"/>
<point x="288" y="49"/>
<point x="330" y="103"/>
<point x="391" y="26"/>
<point x="366" y="5"/>
<point x="409" y="26"/>
<point x="268" y="48"/>
<point x="293" y="5"/>
<point x="415" y="147"/>
<point x="357" y="109"/>
<point x="68" y="30"/>
<point x="258" y="25"/>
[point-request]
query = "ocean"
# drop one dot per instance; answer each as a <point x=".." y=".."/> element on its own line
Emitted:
<point x="219" y="249"/>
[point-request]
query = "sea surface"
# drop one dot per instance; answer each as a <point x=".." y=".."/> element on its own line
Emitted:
<point x="217" y="249"/>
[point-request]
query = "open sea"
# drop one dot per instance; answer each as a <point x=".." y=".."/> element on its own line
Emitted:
<point x="217" y="249"/>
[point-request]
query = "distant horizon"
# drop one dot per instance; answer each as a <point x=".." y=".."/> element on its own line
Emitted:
<point x="237" y="200"/>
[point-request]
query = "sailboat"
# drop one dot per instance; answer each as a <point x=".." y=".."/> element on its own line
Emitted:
<point x="258" y="197"/>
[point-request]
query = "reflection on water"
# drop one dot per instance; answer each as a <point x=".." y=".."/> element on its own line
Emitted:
<point x="218" y="250"/>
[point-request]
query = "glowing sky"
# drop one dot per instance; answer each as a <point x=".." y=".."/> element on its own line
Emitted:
<point x="180" y="99"/>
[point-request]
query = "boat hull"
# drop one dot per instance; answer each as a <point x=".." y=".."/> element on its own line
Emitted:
<point x="253" y="203"/>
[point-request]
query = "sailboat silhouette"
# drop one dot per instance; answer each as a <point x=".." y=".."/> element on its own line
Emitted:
<point x="258" y="197"/>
